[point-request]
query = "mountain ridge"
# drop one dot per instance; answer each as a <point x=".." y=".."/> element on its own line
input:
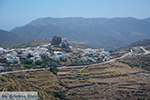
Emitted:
<point x="96" y="32"/>
<point x="9" y="39"/>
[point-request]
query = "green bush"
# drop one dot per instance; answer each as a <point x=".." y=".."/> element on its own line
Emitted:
<point x="10" y="88"/>
<point x="15" y="62"/>
<point x="62" y="59"/>
<point x="43" y="64"/>
<point x="2" y="79"/>
<point x="85" y="75"/>
<point x="61" y="96"/>
<point x="28" y="66"/>
<point x="29" y="62"/>
<point x="62" y="84"/>
<point x="54" y="70"/>
<point x="27" y="76"/>
<point x="38" y="62"/>
<point x="6" y="68"/>
<point x="29" y="55"/>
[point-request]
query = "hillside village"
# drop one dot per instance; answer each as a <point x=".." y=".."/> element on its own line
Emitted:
<point x="57" y="53"/>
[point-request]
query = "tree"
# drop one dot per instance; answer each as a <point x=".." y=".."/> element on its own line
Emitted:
<point x="38" y="62"/>
<point x="62" y="84"/>
<point x="62" y="59"/>
<point x="29" y="62"/>
<point x="54" y="70"/>
<point x="29" y="55"/>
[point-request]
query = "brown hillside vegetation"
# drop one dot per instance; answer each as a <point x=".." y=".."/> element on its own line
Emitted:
<point x="111" y="81"/>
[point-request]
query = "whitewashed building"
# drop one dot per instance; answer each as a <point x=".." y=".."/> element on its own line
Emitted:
<point x="58" y="53"/>
<point x="13" y="60"/>
<point x="1" y="68"/>
<point x="56" y="58"/>
<point x="84" y="59"/>
<point x="65" y="56"/>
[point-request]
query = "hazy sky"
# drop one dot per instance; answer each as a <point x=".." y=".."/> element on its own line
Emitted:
<point x="19" y="12"/>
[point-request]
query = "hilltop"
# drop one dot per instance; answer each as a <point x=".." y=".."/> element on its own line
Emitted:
<point x="40" y="42"/>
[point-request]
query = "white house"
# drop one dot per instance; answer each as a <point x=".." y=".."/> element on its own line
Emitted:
<point x="35" y="58"/>
<point x="41" y="51"/>
<point x="26" y="53"/>
<point x="1" y="49"/>
<point x="1" y="68"/>
<point x="81" y="50"/>
<point x="58" y="53"/>
<point x="65" y="56"/>
<point x="84" y="59"/>
<point x="56" y="58"/>
<point x="14" y="59"/>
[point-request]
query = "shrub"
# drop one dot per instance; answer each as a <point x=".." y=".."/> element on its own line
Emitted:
<point x="62" y="59"/>
<point x="61" y="96"/>
<point x="85" y="75"/>
<point x="38" y="62"/>
<point x="15" y="62"/>
<point x="10" y="88"/>
<point x="29" y="62"/>
<point x="62" y="84"/>
<point x="27" y="76"/>
<point x="2" y="79"/>
<point x="28" y="66"/>
<point x="43" y="64"/>
<point x="29" y="55"/>
<point x="54" y="70"/>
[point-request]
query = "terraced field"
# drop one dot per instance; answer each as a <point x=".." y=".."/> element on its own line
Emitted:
<point x="111" y="81"/>
<point x="44" y="82"/>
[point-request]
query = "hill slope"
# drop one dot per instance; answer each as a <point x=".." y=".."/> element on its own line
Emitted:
<point x="145" y="42"/>
<point x="111" y="81"/>
<point x="9" y="39"/>
<point x="97" y="32"/>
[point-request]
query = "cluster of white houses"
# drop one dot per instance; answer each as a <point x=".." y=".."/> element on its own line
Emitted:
<point x="14" y="55"/>
<point x="58" y="54"/>
<point x="97" y="53"/>
<point x="36" y="53"/>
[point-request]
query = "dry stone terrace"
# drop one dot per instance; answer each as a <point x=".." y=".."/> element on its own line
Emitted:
<point x="111" y="81"/>
<point x="106" y="82"/>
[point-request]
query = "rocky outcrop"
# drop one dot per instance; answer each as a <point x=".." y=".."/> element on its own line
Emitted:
<point x="60" y="42"/>
<point x="56" y="41"/>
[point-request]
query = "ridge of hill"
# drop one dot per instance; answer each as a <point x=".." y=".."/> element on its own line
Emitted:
<point x="96" y="32"/>
<point x="145" y="42"/>
<point x="9" y="39"/>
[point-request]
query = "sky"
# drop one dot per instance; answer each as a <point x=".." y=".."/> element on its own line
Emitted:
<point x="15" y="13"/>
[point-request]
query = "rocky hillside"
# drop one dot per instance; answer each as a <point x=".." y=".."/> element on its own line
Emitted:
<point x="111" y="81"/>
<point x="9" y="39"/>
<point x="96" y="32"/>
<point x="34" y="43"/>
<point x="145" y="42"/>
